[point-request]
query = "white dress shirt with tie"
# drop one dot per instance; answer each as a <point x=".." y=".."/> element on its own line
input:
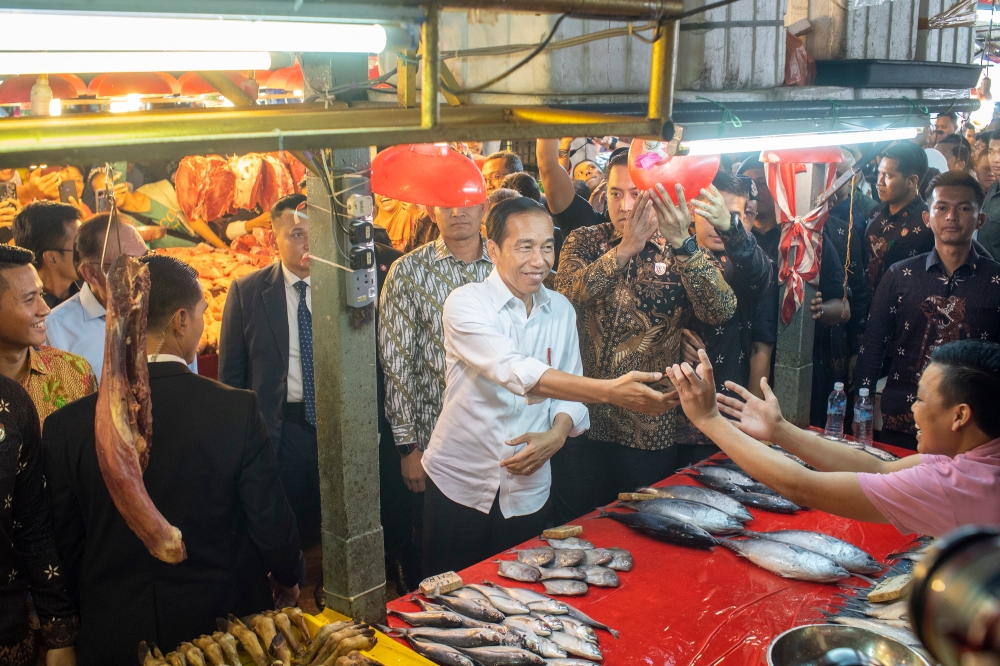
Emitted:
<point x="294" y="381"/>
<point x="495" y="355"/>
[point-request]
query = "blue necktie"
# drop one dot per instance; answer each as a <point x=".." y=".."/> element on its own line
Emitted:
<point x="306" y="354"/>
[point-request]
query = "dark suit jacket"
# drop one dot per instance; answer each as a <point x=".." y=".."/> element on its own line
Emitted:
<point x="212" y="474"/>
<point x="253" y="343"/>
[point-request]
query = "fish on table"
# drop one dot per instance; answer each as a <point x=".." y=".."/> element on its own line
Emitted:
<point x="845" y="554"/>
<point x="787" y="560"/>
<point x="707" y="496"/>
<point x="672" y="531"/>
<point x="710" y="519"/>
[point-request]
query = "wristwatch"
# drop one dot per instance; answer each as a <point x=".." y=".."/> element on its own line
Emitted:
<point x="734" y="226"/>
<point x="406" y="449"/>
<point x="689" y="247"/>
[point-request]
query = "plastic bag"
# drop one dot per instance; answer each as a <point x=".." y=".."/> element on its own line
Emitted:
<point x="961" y="14"/>
<point x="800" y="67"/>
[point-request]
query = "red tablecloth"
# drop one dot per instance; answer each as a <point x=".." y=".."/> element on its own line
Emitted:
<point x="680" y="606"/>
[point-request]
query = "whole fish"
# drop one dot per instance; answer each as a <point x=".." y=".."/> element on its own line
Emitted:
<point x="503" y="603"/>
<point x="665" y="529"/>
<point x="441" y="619"/>
<point x="532" y="624"/>
<point x="705" y="496"/>
<point x="467" y="593"/>
<point x="503" y="656"/>
<point x="760" y="488"/>
<point x="459" y="638"/>
<point x="550" y="650"/>
<point x="536" y="557"/>
<point x="527" y="639"/>
<point x="477" y="609"/>
<point x="787" y="560"/>
<point x="716" y="483"/>
<point x="571" y="661"/>
<point x="582" y="631"/>
<point x="904" y="636"/>
<point x="741" y="479"/>
<point x="708" y="518"/>
<point x="622" y="560"/>
<point x="571" y="543"/>
<point x="578" y="615"/>
<point x="567" y="573"/>
<point x="845" y="554"/>
<point x="899" y="610"/>
<point x="773" y="503"/>
<point x="568" y="558"/>
<point x="551" y="606"/>
<point x="601" y="576"/>
<point x="534" y="600"/>
<point x="440" y="654"/>
<point x="551" y="621"/>
<point x="567" y="588"/>
<point x="600" y="557"/>
<point x="577" y="647"/>
<point x="517" y="571"/>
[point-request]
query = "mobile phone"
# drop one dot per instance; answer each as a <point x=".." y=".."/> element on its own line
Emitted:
<point x="67" y="189"/>
<point x="8" y="190"/>
<point x="46" y="170"/>
<point x="102" y="204"/>
<point x="121" y="172"/>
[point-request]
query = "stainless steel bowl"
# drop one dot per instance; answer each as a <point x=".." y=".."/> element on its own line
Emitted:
<point x="809" y="643"/>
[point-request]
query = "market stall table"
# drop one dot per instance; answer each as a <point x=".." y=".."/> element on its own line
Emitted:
<point x="680" y="607"/>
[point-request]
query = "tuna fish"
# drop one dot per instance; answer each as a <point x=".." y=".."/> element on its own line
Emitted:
<point x="705" y="496"/>
<point x="708" y="518"/>
<point x="665" y="529"/>
<point x="787" y="560"/>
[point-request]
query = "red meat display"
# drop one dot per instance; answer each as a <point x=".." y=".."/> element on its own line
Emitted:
<point x="211" y="186"/>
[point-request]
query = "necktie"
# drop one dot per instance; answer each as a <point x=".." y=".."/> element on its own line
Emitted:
<point x="306" y="354"/>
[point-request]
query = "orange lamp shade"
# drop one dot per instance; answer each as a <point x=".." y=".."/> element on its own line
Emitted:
<point x="649" y="165"/>
<point x="120" y="84"/>
<point x="17" y="89"/>
<point x="816" y="155"/>
<point x="288" y="79"/>
<point x="428" y="174"/>
<point x="192" y="84"/>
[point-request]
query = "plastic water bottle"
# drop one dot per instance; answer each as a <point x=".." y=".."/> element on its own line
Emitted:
<point x="836" y="407"/>
<point x="864" y="417"/>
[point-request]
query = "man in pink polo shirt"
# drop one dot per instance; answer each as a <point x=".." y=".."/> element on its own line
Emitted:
<point x="952" y="481"/>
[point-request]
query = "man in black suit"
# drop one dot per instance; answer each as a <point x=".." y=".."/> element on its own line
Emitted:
<point x="211" y="473"/>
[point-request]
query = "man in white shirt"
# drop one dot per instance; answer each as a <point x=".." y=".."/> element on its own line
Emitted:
<point x="77" y="324"/>
<point x="513" y="395"/>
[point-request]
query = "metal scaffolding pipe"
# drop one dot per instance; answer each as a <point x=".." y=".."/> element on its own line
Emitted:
<point x="430" y="79"/>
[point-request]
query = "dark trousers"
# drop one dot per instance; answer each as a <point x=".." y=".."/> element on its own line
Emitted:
<point x="690" y="454"/>
<point x="298" y="467"/>
<point x="903" y="440"/>
<point x="402" y="516"/>
<point x="457" y="536"/>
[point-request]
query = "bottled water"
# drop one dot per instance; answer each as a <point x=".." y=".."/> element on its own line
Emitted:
<point x="836" y="407"/>
<point x="864" y="417"/>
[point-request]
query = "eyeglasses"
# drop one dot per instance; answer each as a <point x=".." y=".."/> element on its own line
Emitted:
<point x="495" y="178"/>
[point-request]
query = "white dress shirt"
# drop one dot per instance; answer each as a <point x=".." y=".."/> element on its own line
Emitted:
<point x="164" y="358"/>
<point x="294" y="380"/>
<point x="495" y="355"/>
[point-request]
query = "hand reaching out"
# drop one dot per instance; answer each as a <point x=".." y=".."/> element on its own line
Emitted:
<point x="696" y="388"/>
<point x="757" y="418"/>
<point x="713" y="209"/>
<point x="690" y="344"/>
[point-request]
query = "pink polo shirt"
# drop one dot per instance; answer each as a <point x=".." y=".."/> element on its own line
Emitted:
<point x="940" y="493"/>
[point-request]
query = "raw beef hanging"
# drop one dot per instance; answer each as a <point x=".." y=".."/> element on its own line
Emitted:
<point x="123" y="424"/>
<point x="295" y="167"/>
<point x="204" y="186"/>
<point x="211" y="186"/>
<point x="248" y="175"/>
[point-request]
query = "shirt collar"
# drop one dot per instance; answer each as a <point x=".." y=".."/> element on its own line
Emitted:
<point x="36" y="363"/>
<point x="502" y="295"/>
<point x="441" y="250"/>
<point x="291" y="278"/>
<point x="92" y="308"/>
<point x="933" y="259"/>
<point x="165" y="358"/>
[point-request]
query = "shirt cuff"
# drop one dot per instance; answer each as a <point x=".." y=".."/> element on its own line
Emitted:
<point x="404" y="434"/>
<point x="236" y="229"/>
<point x="527" y="372"/>
<point x="60" y="632"/>
<point x="578" y="413"/>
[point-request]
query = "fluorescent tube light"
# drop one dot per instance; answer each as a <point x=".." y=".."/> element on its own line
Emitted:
<point x="59" y="31"/>
<point x="89" y="62"/>
<point x="786" y="141"/>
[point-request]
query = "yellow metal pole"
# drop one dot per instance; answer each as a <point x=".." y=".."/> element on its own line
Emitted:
<point x="430" y="80"/>
<point x="406" y="79"/>
<point x="663" y="71"/>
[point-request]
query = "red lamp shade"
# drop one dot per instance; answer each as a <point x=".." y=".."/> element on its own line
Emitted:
<point x="17" y="89"/>
<point x="649" y="164"/>
<point x="817" y="155"/>
<point x="289" y="79"/>
<point x="428" y="174"/>
<point x="136" y="83"/>
<point x="192" y="84"/>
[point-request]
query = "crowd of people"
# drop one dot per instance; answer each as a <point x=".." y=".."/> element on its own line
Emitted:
<point x="570" y="338"/>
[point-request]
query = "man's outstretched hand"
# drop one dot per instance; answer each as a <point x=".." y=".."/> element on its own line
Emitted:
<point x="757" y="418"/>
<point x="630" y="391"/>
<point x="696" y="388"/>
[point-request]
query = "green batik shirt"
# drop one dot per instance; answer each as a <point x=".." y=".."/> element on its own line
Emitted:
<point x="411" y="335"/>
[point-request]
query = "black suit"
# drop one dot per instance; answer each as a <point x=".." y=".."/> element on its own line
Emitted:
<point x="212" y="474"/>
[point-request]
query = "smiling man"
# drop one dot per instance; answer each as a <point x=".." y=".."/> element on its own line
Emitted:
<point x="51" y="377"/>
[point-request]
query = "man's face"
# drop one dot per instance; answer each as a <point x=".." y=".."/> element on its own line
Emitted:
<point x="7" y="174"/>
<point x="943" y="126"/>
<point x="292" y="236"/>
<point x="64" y="256"/>
<point x="751" y="215"/>
<point x="933" y="416"/>
<point x="994" y="153"/>
<point x="589" y="172"/>
<point x="22" y="309"/>
<point x="708" y="236"/>
<point x="765" y="203"/>
<point x="94" y="273"/>
<point x="494" y="171"/>
<point x="983" y="171"/>
<point x="458" y="224"/>
<point x="527" y="253"/>
<point x="893" y="186"/>
<point x="954" y="215"/>
<point x="950" y="159"/>
<point x="622" y="194"/>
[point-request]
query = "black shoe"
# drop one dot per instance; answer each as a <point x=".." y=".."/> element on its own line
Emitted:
<point x="319" y="597"/>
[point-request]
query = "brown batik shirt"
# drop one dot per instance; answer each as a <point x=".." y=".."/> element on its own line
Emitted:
<point x="631" y="317"/>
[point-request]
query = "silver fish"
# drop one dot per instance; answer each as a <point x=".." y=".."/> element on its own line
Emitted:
<point x="536" y="557"/>
<point x="467" y="593"/>
<point x="571" y="661"/>
<point x="580" y="630"/>
<point x="442" y="619"/>
<point x="568" y="558"/>
<point x="600" y="557"/>
<point x="550" y="650"/>
<point x="477" y="609"/>
<point x="774" y="503"/>
<point x="898" y="610"/>
<point x="566" y="588"/>
<point x="504" y="656"/>
<point x="904" y="636"/>
<point x="787" y="560"/>
<point x="538" y="644"/>
<point x="532" y="624"/>
<point x="518" y="571"/>
<point x="440" y="654"/>
<point x="578" y="615"/>
<point x="567" y="573"/>
<point x="705" y="496"/>
<point x="577" y="647"/>
<point x="724" y="474"/>
<point x="528" y="640"/>
<point x="622" y="560"/>
<point x="843" y="553"/>
<point x="550" y="621"/>
<point x="503" y="603"/>
<point x="571" y="543"/>
<point x="459" y="638"/>
<point x="706" y="517"/>
<point x="601" y="576"/>
<point x="550" y="606"/>
<point x="534" y="600"/>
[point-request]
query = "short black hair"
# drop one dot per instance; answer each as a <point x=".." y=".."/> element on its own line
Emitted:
<point x="750" y="163"/>
<point x="959" y="152"/>
<point x="12" y="256"/>
<point x="89" y="243"/>
<point x="910" y="158"/>
<point x="496" y="221"/>
<point x="985" y="136"/>
<point x="581" y="188"/>
<point x="41" y="226"/>
<point x="724" y="181"/>
<point x="523" y="184"/>
<point x="951" y="115"/>
<point x="172" y="285"/>
<point x="955" y="139"/>
<point x="971" y="376"/>
<point x="287" y="202"/>
<point x="501" y="194"/>
<point x="619" y="157"/>
<point x="958" y="179"/>
<point x="511" y="161"/>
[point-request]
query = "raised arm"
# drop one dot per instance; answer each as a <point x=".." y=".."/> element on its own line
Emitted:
<point x="556" y="181"/>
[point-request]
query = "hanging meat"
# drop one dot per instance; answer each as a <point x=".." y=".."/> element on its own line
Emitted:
<point x="123" y="426"/>
<point x="247" y="171"/>
<point x="212" y="186"/>
<point x="205" y="186"/>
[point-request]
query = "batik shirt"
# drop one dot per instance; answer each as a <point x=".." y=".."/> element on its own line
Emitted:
<point x="916" y="309"/>
<point x="56" y="378"/>
<point x="411" y="335"/>
<point x="891" y="238"/>
<point x="631" y="317"/>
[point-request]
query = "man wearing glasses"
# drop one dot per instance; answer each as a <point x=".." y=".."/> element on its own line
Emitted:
<point x="48" y="229"/>
<point x="77" y="325"/>
<point x="498" y="166"/>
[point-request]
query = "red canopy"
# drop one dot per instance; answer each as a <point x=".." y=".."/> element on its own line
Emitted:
<point x="17" y="89"/>
<point x="192" y="84"/>
<point x="141" y="83"/>
<point x="428" y="174"/>
<point x="289" y="79"/>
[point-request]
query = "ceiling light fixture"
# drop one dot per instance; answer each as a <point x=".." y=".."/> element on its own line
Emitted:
<point x="89" y="62"/>
<point x="786" y="141"/>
